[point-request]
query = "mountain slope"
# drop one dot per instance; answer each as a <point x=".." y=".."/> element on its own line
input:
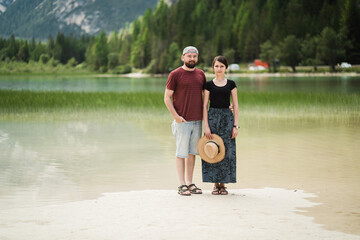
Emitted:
<point x="39" y="18"/>
<point x="4" y="4"/>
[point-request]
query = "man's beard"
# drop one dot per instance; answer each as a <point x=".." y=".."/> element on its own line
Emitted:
<point x="191" y="64"/>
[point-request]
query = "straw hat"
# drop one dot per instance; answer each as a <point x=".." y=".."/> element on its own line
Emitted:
<point x="211" y="150"/>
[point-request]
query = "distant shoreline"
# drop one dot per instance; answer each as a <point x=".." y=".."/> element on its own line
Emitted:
<point x="300" y="74"/>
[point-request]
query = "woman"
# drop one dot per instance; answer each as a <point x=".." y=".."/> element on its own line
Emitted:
<point x="219" y="119"/>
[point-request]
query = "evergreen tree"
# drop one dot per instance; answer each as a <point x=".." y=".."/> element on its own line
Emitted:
<point x="268" y="54"/>
<point x="173" y="57"/>
<point x="290" y="51"/>
<point x="350" y="20"/>
<point x="38" y="51"/>
<point x="309" y="51"/>
<point x="23" y="54"/>
<point x="101" y="51"/>
<point x="114" y="43"/>
<point x="12" y="48"/>
<point x="51" y="46"/>
<point x="330" y="48"/>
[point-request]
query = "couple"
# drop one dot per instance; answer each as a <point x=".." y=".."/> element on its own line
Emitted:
<point x="184" y="92"/>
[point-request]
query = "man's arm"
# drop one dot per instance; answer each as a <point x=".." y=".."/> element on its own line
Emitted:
<point x="167" y="99"/>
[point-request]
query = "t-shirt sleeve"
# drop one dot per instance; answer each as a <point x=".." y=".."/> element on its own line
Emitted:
<point x="232" y="85"/>
<point x="171" y="82"/>
<point x="204" y="79"/>
<point x="208" y="86"/>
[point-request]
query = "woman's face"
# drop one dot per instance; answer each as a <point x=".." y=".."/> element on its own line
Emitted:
<point x="219" y="68"/>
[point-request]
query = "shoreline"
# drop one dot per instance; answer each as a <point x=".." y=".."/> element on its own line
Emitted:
<point x="324" y="74"/>
<point x="207" y="74"/>
<point x="267" y="213"/>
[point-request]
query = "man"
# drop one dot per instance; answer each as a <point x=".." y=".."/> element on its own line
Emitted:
<point x="183" y="98"/>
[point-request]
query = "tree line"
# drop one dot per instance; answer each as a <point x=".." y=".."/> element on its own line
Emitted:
<point x="291" y="32"/>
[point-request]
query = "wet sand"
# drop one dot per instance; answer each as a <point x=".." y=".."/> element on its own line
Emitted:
<point x="267" y="213"/>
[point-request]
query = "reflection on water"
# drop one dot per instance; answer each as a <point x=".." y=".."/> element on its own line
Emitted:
<point x="343" y="84"/>
<point x="47" y="162"/>
<point x="83" y="84"/>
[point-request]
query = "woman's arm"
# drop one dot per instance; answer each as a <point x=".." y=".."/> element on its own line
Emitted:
<point x="207" y="130"/>
<point x="236" y="112"/>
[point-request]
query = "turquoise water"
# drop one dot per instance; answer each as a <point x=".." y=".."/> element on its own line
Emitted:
<point x="343" y="84"/>
<point x="49" y="159"/>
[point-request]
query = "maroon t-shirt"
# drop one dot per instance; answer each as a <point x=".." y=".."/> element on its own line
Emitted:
<point x="187" y="97"/>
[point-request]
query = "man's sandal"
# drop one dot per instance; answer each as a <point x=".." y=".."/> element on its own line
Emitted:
<point x="183" y="190"/>
<point x="194" y="189"/>
<point x="223" y="191"/>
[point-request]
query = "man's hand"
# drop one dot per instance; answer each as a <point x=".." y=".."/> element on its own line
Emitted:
<point x="180" y="120"/>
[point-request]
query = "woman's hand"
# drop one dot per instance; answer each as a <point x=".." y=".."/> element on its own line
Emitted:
<point x="234" y="132"/>
<point x="207" y="132"/>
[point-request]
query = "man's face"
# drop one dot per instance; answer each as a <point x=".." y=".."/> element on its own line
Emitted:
<point x="190" y="59"/>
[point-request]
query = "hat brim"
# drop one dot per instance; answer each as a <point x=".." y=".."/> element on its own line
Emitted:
<point x="219" y="142"/>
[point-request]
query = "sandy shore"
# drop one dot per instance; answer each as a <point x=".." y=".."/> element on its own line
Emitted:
<point x="161" y="214"/>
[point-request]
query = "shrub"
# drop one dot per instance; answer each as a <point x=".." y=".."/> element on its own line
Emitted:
<point x="123" y="69"/>
<point x="103" y="69"/>
<point x="72" y="62"/>
<point x="44" y="58"/>
<point x="53" y="62"/>
<point x="113" y="60"/>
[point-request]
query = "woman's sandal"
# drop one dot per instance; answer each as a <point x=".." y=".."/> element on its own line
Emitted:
<point x="223" y="191"/>
<point x="183" y="190"/>
<point x="216" y="190"/>
<point x="194" y="189"/>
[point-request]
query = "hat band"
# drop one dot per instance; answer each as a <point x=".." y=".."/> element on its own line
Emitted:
<point x="216" y="145"/>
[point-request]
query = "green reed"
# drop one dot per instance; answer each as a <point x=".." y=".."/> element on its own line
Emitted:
<point x="262" y="102"/>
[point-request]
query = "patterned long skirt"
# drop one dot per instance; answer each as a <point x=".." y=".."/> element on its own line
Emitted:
<point x="221" y="122"/>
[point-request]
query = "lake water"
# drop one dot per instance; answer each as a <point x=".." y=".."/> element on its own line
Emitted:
<point x="45" y="161"/>
<point x="343" y="84"/>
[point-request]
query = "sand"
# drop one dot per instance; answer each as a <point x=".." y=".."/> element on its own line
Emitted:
<point x="269" y="213"/>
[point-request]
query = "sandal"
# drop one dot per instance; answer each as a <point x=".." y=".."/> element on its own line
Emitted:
<point x="223" y="191"/>
<point x="194" y="189"/>
<point x="183" y="190"/>
<point x="216" y="190"/>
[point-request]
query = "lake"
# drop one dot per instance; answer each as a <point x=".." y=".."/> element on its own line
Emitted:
<point x="343" y="84"/>
<point x="54" y="157"/>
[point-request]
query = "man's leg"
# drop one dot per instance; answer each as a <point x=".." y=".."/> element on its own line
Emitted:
<point x="180" y="168"/>
<point x="190" y="165"/>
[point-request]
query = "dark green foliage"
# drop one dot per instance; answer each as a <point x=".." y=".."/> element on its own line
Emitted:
<point x="234" y="28"/>
<point x="306" y="32"/>
<point x="331" y="48"/>
<point x="309" y="51"/>
<point x="290" y="51"/>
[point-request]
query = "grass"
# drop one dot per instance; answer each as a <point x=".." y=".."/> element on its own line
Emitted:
<point x="19" y="101"/>
<point x="261" y="104"/>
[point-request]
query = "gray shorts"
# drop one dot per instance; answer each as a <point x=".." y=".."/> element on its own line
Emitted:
<point x="187" y="136"/>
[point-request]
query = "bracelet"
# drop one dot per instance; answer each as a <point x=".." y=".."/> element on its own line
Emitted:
<point x="235" y="126"/>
